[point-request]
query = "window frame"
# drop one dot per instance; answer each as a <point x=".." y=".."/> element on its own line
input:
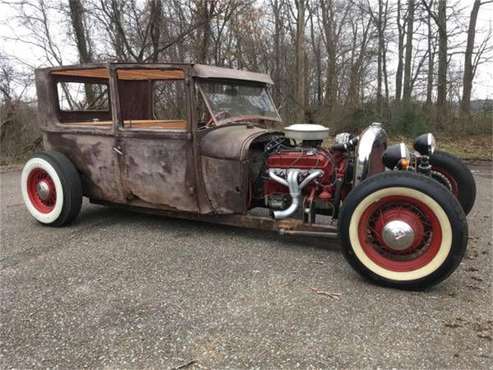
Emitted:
<point x="106" y="83"/>
<point x="62" y="121"/>
<point x="156" y="69"/>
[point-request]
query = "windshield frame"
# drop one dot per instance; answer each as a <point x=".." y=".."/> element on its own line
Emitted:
<point x="239" y="118"/>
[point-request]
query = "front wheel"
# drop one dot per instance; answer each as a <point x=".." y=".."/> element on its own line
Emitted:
<point x="451" y="172"/>
<point x="403" y="230"/>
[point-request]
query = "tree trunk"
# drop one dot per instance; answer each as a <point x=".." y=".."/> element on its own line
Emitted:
<point x="409" y="52"/>
<point x="355" y="92"/>
<point x="400" y="54"/>
<point x="468" y="67"/>
<point x="300" y="60"/>
<point x="156" y="15"/>
<point x="318" y="60"/>
<point x="442" y="61"/>
<point x="81" y="40"/>
<point x="381" y="45"/>
<point x="330" y="39"/>
<point x="431" y="53"/>
<point x="277" y="50"/>
<point x="115" y="25"/>
<point x="206" y="9"/>
<point x="80" y="34"/>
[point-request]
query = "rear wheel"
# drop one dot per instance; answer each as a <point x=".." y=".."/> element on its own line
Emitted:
<point x="403" y="230"/>
<point x="51" y="189"/>
<point x="451" y="172"/>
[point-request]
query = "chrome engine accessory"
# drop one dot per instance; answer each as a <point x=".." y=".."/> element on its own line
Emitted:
<point x="342" y="138"/>
<point x="295" y="187"/>
<point x="306" y="132"/>
<point x="371" y="146"/>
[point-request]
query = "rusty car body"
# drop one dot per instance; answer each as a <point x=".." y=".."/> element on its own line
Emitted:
<point x="126" y="157"/>
<point x="216" y="151"/>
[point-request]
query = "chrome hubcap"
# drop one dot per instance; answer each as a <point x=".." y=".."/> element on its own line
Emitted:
<point x="43" y="190"/>
<point x="398" y="235"/>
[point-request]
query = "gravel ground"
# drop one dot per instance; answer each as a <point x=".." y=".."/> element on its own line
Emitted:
<point x="125" y="290"/>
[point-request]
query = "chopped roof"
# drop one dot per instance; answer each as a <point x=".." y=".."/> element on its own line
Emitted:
<point x="156" y="71"/>
<point x="205" y="71"/>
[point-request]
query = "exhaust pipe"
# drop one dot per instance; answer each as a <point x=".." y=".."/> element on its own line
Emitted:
<point x="294" y="188"/>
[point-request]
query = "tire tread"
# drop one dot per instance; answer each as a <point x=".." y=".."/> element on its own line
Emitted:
<point x="431" y="188"/>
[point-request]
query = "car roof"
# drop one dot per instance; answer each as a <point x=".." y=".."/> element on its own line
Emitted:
<point x="99" y="70"/>
<point x="207" y="71"/>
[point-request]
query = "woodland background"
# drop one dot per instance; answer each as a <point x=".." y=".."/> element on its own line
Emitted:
<point x="410" y="64"/>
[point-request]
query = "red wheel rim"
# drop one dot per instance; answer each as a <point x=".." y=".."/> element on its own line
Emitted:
<point x="450" y="182"/>
<point x="41" y="190"/>
<point x="426" y="230"/>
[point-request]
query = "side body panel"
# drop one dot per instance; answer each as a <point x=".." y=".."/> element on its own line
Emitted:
<point x="94" y="158"/>
<point x="156" y="165"/>
<point x="158" y="169"/>
<point x="89" y="148"/>
<point x="225" y="166"/>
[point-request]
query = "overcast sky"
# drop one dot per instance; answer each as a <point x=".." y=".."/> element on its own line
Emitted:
<point x="26" y="56"/>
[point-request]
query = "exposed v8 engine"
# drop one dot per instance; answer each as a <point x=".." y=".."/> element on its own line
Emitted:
<point x="301" y="179"/>
<point x="298" y="175"/>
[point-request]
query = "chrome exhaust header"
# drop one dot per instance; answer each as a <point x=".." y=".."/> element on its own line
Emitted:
<point x="295" y="187"/>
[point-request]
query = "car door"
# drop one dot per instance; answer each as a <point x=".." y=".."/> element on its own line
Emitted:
<point x="154" y="139"/>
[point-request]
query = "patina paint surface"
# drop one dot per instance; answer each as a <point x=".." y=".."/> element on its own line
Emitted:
<point x="225" y="166"/>
<point x="159" y="170"/>
<point x="162" y="169"/>
<point x="95" y="159"/>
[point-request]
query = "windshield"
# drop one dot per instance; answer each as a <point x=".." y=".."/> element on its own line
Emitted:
<point x="236" y="101"/>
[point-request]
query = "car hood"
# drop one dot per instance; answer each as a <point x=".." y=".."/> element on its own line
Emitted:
<point x="231" y="142"/>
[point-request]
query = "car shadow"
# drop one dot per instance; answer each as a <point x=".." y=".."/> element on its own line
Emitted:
<point x="95" y="215"/>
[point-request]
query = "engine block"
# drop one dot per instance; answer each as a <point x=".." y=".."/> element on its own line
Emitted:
<point x="306" y="161"/>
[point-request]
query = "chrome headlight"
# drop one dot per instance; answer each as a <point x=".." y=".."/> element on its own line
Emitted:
<point x="425" y="144"/>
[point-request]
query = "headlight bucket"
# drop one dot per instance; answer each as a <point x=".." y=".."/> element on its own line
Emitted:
<point x="396" y="155"/>
<point x="425" y="144"/>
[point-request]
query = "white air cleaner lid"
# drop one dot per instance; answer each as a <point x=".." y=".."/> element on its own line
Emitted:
<point x="306" y="131"/>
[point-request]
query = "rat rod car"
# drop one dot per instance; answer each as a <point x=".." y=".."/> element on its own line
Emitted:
<point x="206" y="143"/>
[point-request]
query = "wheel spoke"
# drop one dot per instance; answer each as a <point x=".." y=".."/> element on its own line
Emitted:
<point x="406" y="248"/>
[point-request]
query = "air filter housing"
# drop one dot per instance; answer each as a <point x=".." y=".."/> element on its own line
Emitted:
<point x="301" y="132"/>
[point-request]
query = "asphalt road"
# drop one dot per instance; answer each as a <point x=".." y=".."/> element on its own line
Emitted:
<point x="120" y="289"/>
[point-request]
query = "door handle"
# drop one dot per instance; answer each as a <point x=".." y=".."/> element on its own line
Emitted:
<point x="117" y="150"/>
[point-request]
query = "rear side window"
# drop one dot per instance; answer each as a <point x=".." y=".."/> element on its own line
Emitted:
<point x="83" y="97"/>
<point x="169" y="100"/>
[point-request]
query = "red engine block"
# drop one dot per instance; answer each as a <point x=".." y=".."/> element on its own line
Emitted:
<point x="304" y="160"/>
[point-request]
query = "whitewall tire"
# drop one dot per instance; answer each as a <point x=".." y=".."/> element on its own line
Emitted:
<point x="403" y="230"/>
<point x="51" y="189"/>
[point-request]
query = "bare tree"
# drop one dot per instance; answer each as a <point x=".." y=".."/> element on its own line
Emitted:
<point x="409" y="51"/>
<point x="441" y="21"/>
<point x="468" y="62"/>
<point x="357" y="61"/>
<point x="155" y="22"/>
<point x="80" y="31"/>
<point x="380" y="22"/>
<point x="300" y="15"/>
<point x="328" y="58"/>
<point x="400" y="53"/>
